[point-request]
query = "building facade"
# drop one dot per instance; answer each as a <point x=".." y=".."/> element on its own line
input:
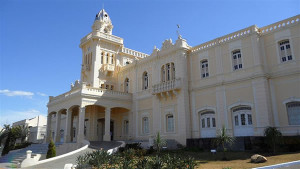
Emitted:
<point x="37" y="128"/>
<point x="246" y="81"/>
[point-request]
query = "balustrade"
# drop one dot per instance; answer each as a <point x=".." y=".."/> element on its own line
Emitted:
<point x="167" y="86"/>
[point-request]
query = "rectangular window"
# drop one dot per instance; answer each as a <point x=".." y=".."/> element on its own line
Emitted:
<point x="145" y="125"/>
<point x="203" y="123"/>
<point x="170" y="123"/>
<point x="204" y="68"/>
<point x="237" y="60"/>
<point x="249" y="119"/>
<point x="285" y="51"/>
<point x="236" y="120"/>
<point x="243" y="119"/>
<point x="214" y="122"/>
<point x="208" y="122"/>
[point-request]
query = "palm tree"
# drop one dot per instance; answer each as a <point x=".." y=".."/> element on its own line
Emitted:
<point x="159" y="142"/>
<point x="273" y="136"/>
<point x="23" y="132"/>
<point x="224" y="139"/>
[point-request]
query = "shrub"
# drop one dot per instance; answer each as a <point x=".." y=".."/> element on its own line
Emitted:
<point x="156" y="163"/>
<point x="135" y="146"/>
<point x="189" y="163"/>
<point x="151" y="150"/>
<point x="140" y="153"/>
<point x="143" y="164"/>
<point x="51" y="150"/>
<point x="273" y="137"/>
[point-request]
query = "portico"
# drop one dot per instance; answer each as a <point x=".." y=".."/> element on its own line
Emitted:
<point x="91" y="119"/>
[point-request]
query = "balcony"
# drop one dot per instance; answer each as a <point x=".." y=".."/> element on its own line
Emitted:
<point x="86" y="67"/>
<point x="108" y="69"/>
<point x="167" y="88"/>
<point x="102" y="36"/>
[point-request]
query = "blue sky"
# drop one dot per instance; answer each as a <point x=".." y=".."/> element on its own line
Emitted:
<point x="39" y="39"/>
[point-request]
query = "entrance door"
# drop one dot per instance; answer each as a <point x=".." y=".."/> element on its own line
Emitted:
<point x="101" y="129"/>
<point x="111" y="130"/>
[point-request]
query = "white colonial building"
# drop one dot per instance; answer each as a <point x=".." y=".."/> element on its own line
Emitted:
<point x="246" y="81"/>
<point x="37" y="128"/>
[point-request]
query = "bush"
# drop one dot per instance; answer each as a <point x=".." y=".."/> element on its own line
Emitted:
<point x="273" y="137"/>
<point x="129" y="159"/>
<point x="135" y="146"/>
<point x="151" y="150"/>
<point x="51" y="150"/>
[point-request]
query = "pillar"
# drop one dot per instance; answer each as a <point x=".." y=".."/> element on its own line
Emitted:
<point x="57" y="127"/>
<point x="48" y="136"/>
<point x="107" y="136"/>
<point x="81" y="118"/>
<point x="68" y="129"/>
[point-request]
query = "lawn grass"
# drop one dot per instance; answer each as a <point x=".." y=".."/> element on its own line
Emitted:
<point x="236" y="160"/>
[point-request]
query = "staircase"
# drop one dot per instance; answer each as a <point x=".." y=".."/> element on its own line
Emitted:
<point x="18" y="156"/>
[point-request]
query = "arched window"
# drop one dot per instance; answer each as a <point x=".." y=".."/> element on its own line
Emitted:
<point x="126" y="127"/>
<point x="242" y="121"/>
<point x="204" y="69"/>
<point x="145" y="125"/>
<point x="163" y="73"/>
<point x="293" y="110"/>
<point x="126" y="85"/>
<point x="102" y="57"/>
<point x="285" y="50"/>
<point x="208" y="119"/>
<point x="242" y="116"/>
<point x="145" y="81"/>
<point x="170" y="123"/>
<point x="237" y="59"/>
<point x="207" y="124"/>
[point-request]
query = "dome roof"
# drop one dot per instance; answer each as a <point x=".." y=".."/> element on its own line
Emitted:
<point x="103" y="16"/>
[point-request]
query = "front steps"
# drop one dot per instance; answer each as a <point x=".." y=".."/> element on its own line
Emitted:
<point x="18" y="156"/>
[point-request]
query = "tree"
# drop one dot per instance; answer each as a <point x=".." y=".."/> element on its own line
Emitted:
<point x="273" y="137"/>
<point x="23" y="132"/>
<point x="159" y="142"/>
<point x="51" y="150"/>
<point x="7" y="144"/>
<point x="224" y="139"/>
<point x="3" y="134"/>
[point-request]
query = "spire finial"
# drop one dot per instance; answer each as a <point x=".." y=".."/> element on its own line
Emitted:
<point x="102" y="5"/>
<point x="178" y="34"/>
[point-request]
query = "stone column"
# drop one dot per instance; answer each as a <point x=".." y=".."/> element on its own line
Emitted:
<point x="81" y="118"/>
<point x="68" y="129"/>
<point x="48" y="136"/>
<point x="107" y="136"/>
<point x="57" y="127"/>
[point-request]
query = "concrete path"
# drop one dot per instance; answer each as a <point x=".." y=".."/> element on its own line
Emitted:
<point x="60" y="163"/>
